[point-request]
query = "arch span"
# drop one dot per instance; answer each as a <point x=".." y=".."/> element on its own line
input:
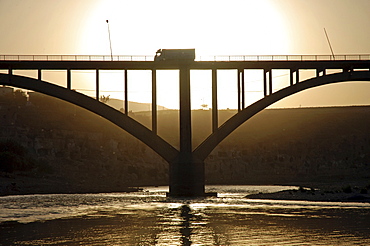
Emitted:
<point x="164" y="149"/>
<point x="204" y="149"/>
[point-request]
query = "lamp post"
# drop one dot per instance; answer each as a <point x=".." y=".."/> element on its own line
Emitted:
<point x="110" y="42"/>
<point x="327" y="38"/>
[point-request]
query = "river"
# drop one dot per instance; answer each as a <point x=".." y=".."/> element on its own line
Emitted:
<point x="150" y="218"/>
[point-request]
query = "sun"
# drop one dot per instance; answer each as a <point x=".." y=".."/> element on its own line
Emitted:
<point x="234" y="27"/>
<point x="211" y="27"/>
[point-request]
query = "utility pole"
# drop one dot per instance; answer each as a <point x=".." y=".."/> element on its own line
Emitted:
<point x="110" y="42"/>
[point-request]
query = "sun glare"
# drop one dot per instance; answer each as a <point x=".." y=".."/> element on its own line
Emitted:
<point x="211" y="27"/>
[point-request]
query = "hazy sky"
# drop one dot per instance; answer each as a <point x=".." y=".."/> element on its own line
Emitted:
<point x="259" y="27"/>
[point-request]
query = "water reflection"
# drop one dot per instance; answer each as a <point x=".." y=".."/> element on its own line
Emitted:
<point x="185" y="225"/>
<point x="153" y="219"/>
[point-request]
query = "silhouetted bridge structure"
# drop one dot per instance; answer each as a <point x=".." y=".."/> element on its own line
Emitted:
<point x="186" y="164"/>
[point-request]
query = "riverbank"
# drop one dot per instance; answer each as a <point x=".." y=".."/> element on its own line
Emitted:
<point x="326" y="193"/>
<point x="352" y="191"/>
<point x="11" y="184"/>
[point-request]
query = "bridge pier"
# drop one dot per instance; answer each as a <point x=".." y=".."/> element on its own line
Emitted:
<point x="186" y="173"/>
<point x="187" y="177"/>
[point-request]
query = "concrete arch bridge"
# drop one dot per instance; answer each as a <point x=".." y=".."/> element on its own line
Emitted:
<point x="186" y="163"/>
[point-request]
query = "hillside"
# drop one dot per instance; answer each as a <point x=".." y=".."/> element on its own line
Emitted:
<point x="78" y="151"/>
<point x="132" y="106"/>
<point x="296" y="145"/>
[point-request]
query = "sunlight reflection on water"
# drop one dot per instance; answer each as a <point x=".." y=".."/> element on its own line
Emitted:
<point x="149" y="218"/>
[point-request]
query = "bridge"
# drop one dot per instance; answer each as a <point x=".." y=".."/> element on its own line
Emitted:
<point x="186" y="164"/>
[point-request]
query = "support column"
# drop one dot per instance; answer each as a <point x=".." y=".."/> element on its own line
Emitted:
<point x="270" y="82"/>
<point x="39" y="74"/>
<point x="69" y="83"/>
<point x="10" y="72"/>
<point x="185" y="111"/>
<point x="297" y="76"/>
<point x="265" y="82"/>
<point x="239" y="90"/>
<point x="243" y="87"/>
<point x="126" y="93"/>
<point x="97" y="84"/>
<point x="186" y="174"/>
<point x="214" y="101"/>
<point x="291" y="78"/>
<point x="319" y="70"/>
<point x="154" y="101"/>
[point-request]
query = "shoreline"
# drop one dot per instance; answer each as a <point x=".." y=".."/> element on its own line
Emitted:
<point x="316" y="195"/>
<point x="25" y="185"/>
<point x="344" y="191"/>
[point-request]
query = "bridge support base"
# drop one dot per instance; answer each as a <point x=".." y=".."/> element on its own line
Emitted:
<point x="187" y="178"/>
<point x="186" y="173"/>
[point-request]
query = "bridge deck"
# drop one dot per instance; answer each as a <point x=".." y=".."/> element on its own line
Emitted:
<point x="351" y="57"/>
<point x="148" y="65"/>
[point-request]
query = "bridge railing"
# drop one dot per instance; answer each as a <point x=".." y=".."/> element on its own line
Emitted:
<point x="285" y="58"/>
<point x="76" y="58"/>
<point x="199" y="58"/>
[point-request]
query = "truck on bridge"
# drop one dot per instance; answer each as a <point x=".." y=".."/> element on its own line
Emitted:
<point x="175" y="55"/>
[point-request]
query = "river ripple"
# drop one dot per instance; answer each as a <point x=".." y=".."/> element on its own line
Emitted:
<point x="149" y="218"/>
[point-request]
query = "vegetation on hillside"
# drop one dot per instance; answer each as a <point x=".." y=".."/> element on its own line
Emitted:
<point x="274" y="146"/>
<point x="14" y="157"/>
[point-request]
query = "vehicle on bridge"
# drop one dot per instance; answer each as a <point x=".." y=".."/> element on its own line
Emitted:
<point x="175" y="54"/>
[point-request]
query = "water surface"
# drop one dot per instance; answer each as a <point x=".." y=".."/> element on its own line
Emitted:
<point x="150" y="218"/>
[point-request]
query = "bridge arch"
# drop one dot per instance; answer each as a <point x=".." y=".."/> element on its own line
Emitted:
<point x="161" y="147"/>
<point x="205" y="148"/>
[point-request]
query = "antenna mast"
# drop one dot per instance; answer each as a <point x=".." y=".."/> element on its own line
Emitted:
<point x="327" y="38"/>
